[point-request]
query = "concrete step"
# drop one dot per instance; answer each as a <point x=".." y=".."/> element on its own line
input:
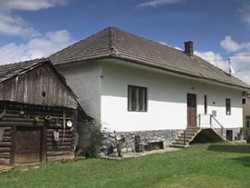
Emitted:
<point x="189" y="135"/>
<point x="178" y="146"/>
<point x="191" y="131"/>
<point x="180" y="142"/>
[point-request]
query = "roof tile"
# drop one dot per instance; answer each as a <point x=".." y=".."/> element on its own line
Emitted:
<point x="115" y="43"/>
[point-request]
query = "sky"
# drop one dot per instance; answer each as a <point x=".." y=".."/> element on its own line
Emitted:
<point x="220" y="29"/>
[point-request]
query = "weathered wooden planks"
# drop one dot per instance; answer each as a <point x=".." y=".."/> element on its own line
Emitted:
<point x="38" y="86"/>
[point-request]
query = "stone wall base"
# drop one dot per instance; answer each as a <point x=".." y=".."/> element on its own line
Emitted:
<point x="138" y="141"/>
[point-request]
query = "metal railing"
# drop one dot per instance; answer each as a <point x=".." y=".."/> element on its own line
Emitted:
<point x="211" y="121"/>
<point x="218" y="123"/>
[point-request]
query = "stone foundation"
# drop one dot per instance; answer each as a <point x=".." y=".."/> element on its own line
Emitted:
<point x="138" y="141"/>
<point x="231" y="134"/>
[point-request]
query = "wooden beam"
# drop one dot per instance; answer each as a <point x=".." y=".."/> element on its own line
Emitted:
<point x="13" y="146"/>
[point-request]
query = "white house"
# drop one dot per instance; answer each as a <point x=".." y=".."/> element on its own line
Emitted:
<point x="132" y="84"/>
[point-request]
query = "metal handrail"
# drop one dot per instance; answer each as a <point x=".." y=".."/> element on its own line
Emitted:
<point x="211" y="117"/>
<point x="221" y="126"/>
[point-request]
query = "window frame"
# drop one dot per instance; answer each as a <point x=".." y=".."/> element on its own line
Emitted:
<point x="137" y="99"/>
<point x="247" y="121"/>
<point x="243" y="101"/>
<point x="205" y="104"/>
<point x="228" y="106"/>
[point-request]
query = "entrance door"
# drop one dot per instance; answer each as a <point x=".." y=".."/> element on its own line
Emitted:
<point x="28" y="145"/>
<point x="191" y="110"/>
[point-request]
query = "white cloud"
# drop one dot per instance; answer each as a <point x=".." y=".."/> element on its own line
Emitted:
<point x="155" y="3"/>
<point x="213" y="58"/>
<point x="245" y="13"/>
<point x="11" y="24"/>
<point x="230" y="45"/>
<point x="14" y="25"/>
<point x="38" y="47"/>
<point x="30" y="5"/>
<point x="239" y="61"/>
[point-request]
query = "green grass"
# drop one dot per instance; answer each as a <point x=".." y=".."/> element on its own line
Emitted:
<point x="216" y="165"/>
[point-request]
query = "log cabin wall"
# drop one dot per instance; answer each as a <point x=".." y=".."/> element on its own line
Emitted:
<point x="33" y="133"/>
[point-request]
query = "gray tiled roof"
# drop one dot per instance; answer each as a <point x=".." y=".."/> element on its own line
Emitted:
<point x="10" y="70"/>
<point x="115" y="43"/>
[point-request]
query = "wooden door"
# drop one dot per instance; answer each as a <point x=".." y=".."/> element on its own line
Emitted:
<point x="191" y="110"/>
<point x="28" y="145"/>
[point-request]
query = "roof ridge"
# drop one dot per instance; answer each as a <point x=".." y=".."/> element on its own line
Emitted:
<point x="112" y="41"/>
<point x="10" y="70"/>
<point x="33" y="61"/>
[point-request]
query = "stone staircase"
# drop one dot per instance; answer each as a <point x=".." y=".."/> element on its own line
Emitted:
<point x="185" y="138"/>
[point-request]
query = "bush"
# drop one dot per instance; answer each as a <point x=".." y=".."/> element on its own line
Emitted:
<point x="90" y="138"/>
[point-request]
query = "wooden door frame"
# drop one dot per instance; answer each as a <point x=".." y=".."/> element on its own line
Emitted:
<point x="188" y="115"/>
<point x="42" y="156"/>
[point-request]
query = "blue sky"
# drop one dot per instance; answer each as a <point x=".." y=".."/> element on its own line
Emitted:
<point x="219" y="28"/>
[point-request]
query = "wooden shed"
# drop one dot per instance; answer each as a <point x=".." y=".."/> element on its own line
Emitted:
<point x="38" y="114"/>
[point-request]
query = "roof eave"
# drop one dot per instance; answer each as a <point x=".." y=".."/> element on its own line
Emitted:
<point x="177" y="72"/>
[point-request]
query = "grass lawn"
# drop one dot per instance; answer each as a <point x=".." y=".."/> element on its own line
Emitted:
<point x="209" y="165"/>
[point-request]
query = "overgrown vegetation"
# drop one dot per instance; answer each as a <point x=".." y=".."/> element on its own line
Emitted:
<point x="208" y="165"/>
<point x="91" y="138"/>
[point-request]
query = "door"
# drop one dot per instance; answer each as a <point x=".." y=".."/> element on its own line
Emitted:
<point x="191" y="110"/>
<point x="28" y="145"/>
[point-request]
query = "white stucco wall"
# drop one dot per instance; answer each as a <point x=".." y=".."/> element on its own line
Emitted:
<point x="101" y="88"/>
<point x="84" y="80"/>
<point x="167" y="97"/>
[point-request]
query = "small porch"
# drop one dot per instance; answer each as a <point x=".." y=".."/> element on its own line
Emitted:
<point x="207" y="130"/>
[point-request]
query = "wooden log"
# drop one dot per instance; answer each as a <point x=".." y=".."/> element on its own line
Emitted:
<point x="50" y="131"/>
<point x="6" y="139"/>
<point x="58" y="147"/>
<point x="57" y="153"/>
<point x="4" y="161"/>
<point x="4" y="149"/>
<point x="40" y="114"/>
<point x="6" y="134"/>
<point x="68" y="143"/>
<point x="61" y="148"/>
<point x="23" y="124"/>
<point x="66" y="138"/>
<point x="5" y="144"/>
<point x="50" y="139"/>
<point x="22" y="119"/>
<point x="67" y="134"/>
<point x="5" y="155"/>
<point x="6" y="129"/>
<point x="61" y="158"/>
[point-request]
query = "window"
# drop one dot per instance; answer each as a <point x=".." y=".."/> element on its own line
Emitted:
<point x="243" y="101"/>
<point x="137" y="98"/>
<point x="228" y="106"/>
<point x="248" y="122"/>
<point x="205" y="104"/>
